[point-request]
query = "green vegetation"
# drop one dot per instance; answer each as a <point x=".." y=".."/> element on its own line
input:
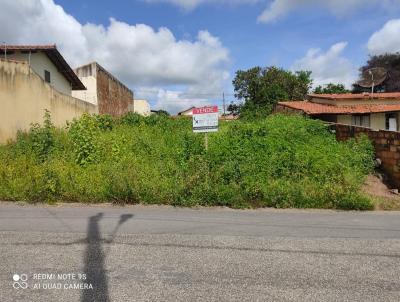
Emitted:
<point x="331" y="88"/>
<point x="279" y="161"/>
<point x="260" y="88"/>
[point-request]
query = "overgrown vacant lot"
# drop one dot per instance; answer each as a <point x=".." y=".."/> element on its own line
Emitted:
<point x="277" y="162"/>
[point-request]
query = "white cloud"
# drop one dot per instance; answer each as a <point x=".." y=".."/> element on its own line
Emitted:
<point x="279" y="8"/>
<point x="328" y="67"/>
<point x="137" y="54"/>
<point x="176" y="101"/>
<point x="386" y="40"/>
<point x="192" y="4"/>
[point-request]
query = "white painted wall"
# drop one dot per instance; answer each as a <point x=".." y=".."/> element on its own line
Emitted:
<point x="39" y="63"/>
<point x="141" y="107"/>
<point x="90" y="94"/>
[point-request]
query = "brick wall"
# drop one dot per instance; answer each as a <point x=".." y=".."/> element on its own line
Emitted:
<point x="113" y="97"/>
<point x="386" y="143"/>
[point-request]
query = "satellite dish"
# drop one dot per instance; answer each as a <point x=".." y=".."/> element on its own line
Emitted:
<point x="372" y="77"/>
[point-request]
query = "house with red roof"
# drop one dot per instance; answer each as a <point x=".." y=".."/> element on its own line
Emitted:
<point x="48" y="63"/>
<point x="378" y="111"/>
<point x="35" y="78"/>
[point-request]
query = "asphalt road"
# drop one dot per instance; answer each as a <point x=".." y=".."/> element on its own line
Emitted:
<point x="166" y="254"/>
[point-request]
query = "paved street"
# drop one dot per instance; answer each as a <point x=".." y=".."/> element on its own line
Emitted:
<point x="165" y="254"/>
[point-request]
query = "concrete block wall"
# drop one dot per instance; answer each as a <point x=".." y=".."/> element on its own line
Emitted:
<point x="24" y="96"/>
<point x="386" y="144"/>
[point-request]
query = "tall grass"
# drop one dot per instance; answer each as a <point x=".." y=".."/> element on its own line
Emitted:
<point x="279" y="162"/>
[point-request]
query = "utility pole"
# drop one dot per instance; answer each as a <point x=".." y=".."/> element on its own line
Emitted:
<point x="5" y="50"/>
<point x="223" y="102"/>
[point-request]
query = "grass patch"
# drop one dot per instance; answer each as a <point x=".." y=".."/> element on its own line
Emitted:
<point x="281" y="161"/>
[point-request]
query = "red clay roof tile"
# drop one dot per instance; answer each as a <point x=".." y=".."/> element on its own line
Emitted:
<point x="347" y="96"/>
<point x="311" y="108"/>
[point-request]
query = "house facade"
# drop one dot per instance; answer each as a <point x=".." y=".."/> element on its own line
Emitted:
<point x="103" y="90"/>
<point x="378" y="111"/>
<point x="34" y="79"/>
<point x="47" y="62"/>
<point x="186" y="112"/>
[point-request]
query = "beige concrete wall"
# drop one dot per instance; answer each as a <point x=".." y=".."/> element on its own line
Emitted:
<point x="90" y="94"/>
<point x="378" y="121"/>
<point x="39" y="63"/>
<point x="141" y="107"/>
<point x="24" y="96"/>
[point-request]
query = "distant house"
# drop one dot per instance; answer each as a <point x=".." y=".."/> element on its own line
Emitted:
<point x="103" y="90"/>
<point x="186" y="112"/>
<point x="141" y="107"/>
<point x="47" y="62"/>
<point x="229" y="117"/>
<point x="379" y="111"/>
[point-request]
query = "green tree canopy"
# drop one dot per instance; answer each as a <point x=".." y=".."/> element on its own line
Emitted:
<point x="331" y="88"/>
<point x="262" y="87"/>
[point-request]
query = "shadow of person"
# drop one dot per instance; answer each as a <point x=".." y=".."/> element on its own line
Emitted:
<point x="122" y="219"/>
<point x="94" y="263"/>
<point x="94" y="260"/>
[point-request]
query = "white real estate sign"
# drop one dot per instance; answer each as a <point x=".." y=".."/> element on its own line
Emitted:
<point x="205" y="119"/>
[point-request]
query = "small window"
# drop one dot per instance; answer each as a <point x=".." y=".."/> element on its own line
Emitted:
<point x="47" y="76"/>
<point x="361" y="120"/>
<point x="391" y="121"/>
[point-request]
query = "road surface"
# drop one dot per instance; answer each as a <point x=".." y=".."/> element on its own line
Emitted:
<point x="106" y="253"/>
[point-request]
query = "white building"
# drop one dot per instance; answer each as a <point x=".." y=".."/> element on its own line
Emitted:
<point x="141" y="107"/>
<point x="48" y="63"/>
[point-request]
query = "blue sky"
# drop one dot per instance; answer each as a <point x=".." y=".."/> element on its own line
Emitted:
<point x="203" y="42"/>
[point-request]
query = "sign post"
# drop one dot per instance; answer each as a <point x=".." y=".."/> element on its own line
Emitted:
<point x="205" y="120"/>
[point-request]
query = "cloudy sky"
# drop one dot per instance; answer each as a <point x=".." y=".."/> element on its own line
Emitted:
<point x="178" y="53"/>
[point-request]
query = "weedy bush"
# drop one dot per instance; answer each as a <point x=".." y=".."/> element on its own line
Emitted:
<point x="84" y="133"/>
<point x="280" y="161"/>
<point x="42" y="137"/>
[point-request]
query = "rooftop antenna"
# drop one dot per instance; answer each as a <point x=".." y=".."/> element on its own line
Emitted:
<point x="373" y="83"/>
<point x="372" y="77"/>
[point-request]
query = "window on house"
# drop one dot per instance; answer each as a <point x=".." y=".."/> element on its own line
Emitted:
<point x="391" y="121"/>
<point x="47" y="76"/>
<point x="361" y="120"/>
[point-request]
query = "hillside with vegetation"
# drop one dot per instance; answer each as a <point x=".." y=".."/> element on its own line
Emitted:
<point x="279" y="161"/>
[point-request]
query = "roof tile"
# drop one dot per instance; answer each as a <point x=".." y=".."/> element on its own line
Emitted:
<point x="347" y="96"/>
<point x="315" y="108"/>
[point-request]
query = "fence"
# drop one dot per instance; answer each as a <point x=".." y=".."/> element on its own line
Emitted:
<point x="386" y="144"/>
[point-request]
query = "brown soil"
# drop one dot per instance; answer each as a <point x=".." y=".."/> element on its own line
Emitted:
<point x="385" y="199"/>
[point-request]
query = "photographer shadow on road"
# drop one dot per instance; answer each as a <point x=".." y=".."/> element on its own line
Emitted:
<point x="95" y="259"/>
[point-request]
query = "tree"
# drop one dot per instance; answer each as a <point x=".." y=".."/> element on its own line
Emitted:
<point x="389" y="61"/>
<point x="162" y="112"/>
<point x="331" y="88"/>
<point x="233" y="108"/>
<point x="262" y="87"/>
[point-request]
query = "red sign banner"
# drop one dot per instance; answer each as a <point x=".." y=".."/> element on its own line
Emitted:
<point x="205" y="110"/>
